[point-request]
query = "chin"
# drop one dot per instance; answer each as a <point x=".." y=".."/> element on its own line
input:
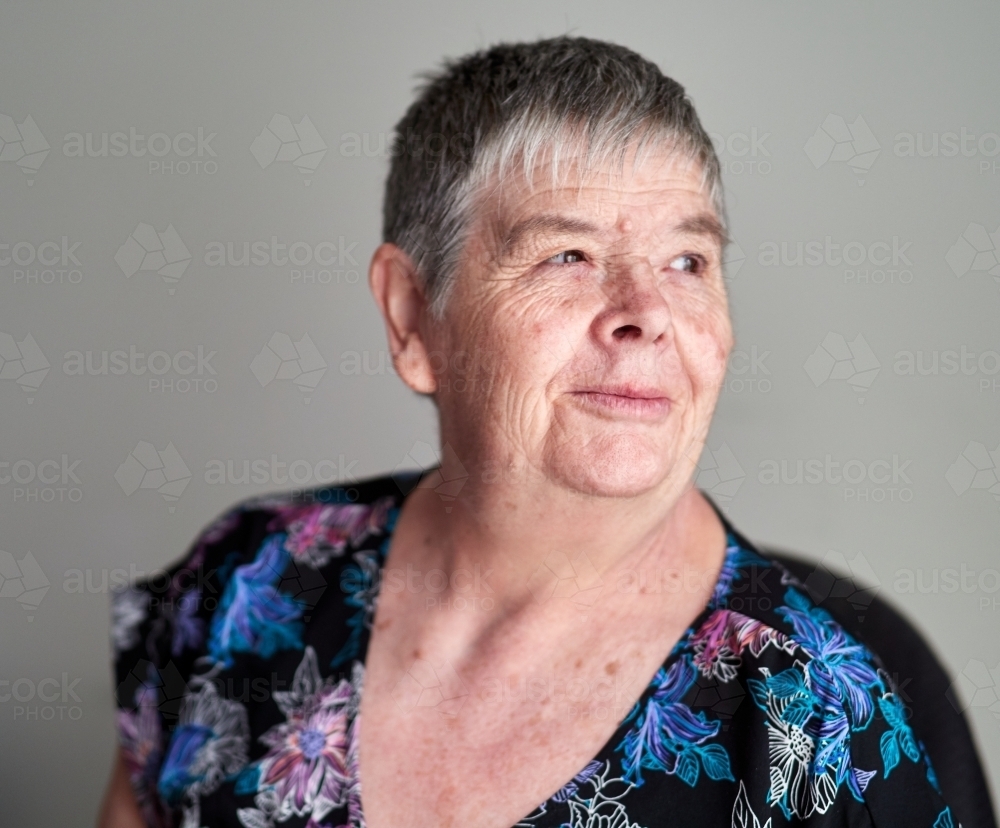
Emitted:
<point x="623" y="466"/>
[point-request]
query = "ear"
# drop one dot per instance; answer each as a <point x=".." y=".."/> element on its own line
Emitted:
<point x="395" y="285"/>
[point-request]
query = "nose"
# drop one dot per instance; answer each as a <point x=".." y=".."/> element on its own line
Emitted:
<point x="637" y="311"/>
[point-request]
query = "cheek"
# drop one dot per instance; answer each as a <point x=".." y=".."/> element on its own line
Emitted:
<point x="705" y="342"/>
<point x="539" y="330"/>
<point x="513" y="341"/>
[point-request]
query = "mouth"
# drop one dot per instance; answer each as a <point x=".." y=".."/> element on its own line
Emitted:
<point x="631" y="402"/>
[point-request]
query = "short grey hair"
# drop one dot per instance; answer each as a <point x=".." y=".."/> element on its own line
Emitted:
<point x="500" y="110"/>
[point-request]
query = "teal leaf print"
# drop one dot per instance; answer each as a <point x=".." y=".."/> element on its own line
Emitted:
<point x="944" y="820"/>
<point x="890" y="751"/>
<point x="716" y="762"/>
<point x="908" y="744"/>
<point x="687" y="767"/>
<point x="899" y="736"/>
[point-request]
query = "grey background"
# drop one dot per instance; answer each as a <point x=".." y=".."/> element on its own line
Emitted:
<point x="774" y="70"/>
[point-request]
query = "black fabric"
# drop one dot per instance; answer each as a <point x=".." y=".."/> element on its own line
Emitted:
<point x="240" y="682"/>
<point x="923" y="685"/>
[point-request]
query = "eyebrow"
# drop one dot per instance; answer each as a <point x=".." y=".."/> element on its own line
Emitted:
<point x="703" y="224"/>
<point x="542" y="223"/>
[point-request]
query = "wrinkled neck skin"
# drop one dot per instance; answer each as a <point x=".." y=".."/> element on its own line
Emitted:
<point x="512" y="521"/>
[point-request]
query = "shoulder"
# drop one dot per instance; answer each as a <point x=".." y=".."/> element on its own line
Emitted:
<point x="248" y="597"/>
<point x="916" y="674"/>
<point x="240" y="607"/>
<point x="166" y="614"/>
<point x="835" y="716"/>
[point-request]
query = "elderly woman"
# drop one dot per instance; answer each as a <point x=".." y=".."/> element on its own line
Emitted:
<point x="540" y="631"/>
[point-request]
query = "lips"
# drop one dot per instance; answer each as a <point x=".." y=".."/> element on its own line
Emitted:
<point x="630" y="401"/>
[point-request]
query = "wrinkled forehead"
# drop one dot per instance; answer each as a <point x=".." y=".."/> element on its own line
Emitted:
<point x="639" y="185"/>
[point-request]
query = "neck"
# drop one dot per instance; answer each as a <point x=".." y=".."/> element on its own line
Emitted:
<point x="529" y="533"/>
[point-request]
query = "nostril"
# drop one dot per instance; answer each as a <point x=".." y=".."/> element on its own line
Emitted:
<point x="627" y="332"/>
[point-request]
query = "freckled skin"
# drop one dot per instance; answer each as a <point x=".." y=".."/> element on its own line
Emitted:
<point x="552" y="328"/>
<point x="549" y="465"/>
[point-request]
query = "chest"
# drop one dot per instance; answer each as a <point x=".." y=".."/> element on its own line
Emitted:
<point x="438" y="752"/>
<point x="486" y="743"/>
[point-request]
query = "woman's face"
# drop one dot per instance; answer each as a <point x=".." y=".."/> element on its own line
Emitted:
<point x="587" y="335"/>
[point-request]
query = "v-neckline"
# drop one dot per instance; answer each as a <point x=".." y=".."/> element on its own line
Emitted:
<point x="733" y="544"/>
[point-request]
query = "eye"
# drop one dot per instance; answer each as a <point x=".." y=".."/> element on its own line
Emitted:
<point x="689" y="263"/>
<point x="566" y="257"/>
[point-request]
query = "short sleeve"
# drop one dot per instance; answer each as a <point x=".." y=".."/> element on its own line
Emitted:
<point x="158" y="631"/>
<point x="893" y="768"/>
<point x="861" y="728"/>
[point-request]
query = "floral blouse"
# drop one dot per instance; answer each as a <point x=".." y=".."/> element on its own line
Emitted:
<point x="239" y="679"/>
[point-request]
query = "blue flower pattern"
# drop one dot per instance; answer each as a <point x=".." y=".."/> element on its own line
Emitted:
<point x="669" y="737"/>
<point x="254" y="616"/>
<point x="814" y="694"/>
